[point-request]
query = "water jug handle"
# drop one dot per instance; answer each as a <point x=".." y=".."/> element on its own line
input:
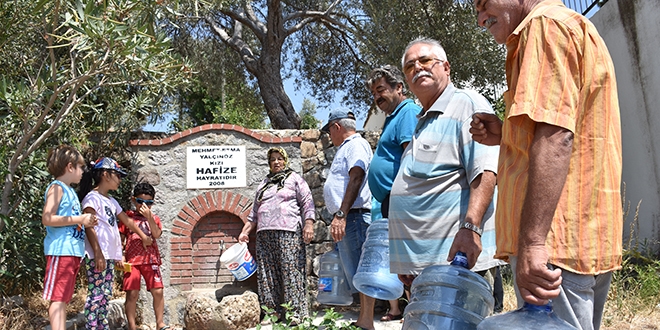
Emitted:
<point x="547" y="308"/>
<point x="460" y="259"/>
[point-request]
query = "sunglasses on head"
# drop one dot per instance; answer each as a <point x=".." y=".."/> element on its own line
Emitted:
<point x="149" y="202"/>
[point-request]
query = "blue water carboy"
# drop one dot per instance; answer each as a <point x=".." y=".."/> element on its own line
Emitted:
<point x="333" y="287"/>
<point x="448" y="297"/>
<point x="528" y="317"/>
<point x="373" y="277"/>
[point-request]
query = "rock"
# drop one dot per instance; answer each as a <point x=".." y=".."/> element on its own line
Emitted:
<point x="116" y="314"/>
<point x="236" y="312"/>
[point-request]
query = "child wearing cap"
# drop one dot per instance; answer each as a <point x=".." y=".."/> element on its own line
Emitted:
<point x="64" y="245"/>
<point x="103" y="247"/>
<point x="144" y="262"/>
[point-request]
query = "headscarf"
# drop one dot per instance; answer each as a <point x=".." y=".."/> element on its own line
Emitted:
<point x="276" y="178"/>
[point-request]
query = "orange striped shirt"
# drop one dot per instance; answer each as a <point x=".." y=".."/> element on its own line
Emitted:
<point x="559" y="72"/>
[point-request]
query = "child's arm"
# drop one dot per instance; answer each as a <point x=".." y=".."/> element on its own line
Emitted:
<point x="146" y="212"/>
<point x="50" y="218"/>
<point x="146" y="240"/>
<point x="99" y="258"/>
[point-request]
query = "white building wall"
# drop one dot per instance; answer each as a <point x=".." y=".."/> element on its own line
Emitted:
<point x="630" y="30"/>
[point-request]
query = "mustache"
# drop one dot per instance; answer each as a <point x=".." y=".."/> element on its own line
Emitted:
<point x="489" y="22"/>
<point x="421" y="74"/>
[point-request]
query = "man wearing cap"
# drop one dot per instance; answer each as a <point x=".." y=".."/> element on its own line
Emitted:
<point x="348" y="198"/>
<point x="442" y="197"/>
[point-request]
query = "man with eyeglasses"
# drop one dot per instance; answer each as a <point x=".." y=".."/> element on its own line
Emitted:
<point x="442" y="198"/>
<point x="559" y="219"/>
<point x="348" y="199"/>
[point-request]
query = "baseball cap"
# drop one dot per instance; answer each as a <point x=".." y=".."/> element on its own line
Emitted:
<point x="109" y="164"/>
<point x="336" y="114"/>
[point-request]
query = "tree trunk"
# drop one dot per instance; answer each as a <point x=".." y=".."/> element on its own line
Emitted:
<point x="278" y="105"/>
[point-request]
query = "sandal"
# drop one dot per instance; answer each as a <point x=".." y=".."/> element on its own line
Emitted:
<point x="165" y="327"/>
<point x="357" y="326"/>
<point x="389" y="317"/>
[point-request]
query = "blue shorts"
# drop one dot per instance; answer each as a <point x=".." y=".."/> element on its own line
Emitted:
<point x="350" y="247"/>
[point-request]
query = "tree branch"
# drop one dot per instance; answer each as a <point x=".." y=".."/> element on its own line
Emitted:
<point x="235" y="43"/>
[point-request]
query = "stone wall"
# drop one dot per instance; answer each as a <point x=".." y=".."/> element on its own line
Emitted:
<point x="199" y="224"/>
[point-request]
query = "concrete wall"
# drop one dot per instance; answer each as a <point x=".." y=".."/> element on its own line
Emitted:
<point x="630" y="30"/>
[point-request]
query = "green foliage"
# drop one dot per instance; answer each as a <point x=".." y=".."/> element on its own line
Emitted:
<point x="307" y="115"/>
<point x="329" y="321"/>
<point x="81" y="72"/>
<point x="477" y="61"/>
<point x="220" y="90"/>
<point x="21" y="241"/>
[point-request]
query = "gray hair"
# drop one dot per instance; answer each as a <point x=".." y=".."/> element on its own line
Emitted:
<point x="440" y="52"/>
<point x="392" y="75"/>
<point x="347" y="123"/>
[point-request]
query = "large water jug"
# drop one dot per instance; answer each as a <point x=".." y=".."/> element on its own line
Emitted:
<point x="373" y="277"/>
<point x="448" y="297"/>
<point x="528" y="317"/>
<point x="333" y="286"/>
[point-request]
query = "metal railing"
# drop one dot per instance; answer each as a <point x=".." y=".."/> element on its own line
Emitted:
<point x="584" y="6"/>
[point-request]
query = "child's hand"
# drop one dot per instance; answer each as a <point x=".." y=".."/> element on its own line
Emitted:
<point x="145" y="210"/>
<point x="119" y="264"/>
<point x="89" y="220"/>
<point x="99" y="261"/>
<point x="147" y="241"/>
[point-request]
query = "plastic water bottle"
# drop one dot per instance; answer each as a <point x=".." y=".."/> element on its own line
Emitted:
<point x="448" y="297"/>
<point x="528" y="317"/>
<point x="373" y="277"/>
<point x="333" y="286"/>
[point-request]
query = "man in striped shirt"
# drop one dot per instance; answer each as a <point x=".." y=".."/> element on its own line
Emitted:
<point x="441" y="200"/>
<point x="559" y="218"/>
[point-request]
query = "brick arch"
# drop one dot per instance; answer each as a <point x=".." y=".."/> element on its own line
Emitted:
<point x="205" y="223"/>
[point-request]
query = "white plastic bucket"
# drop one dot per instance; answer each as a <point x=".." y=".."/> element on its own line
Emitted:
<point x="239" y="261"/>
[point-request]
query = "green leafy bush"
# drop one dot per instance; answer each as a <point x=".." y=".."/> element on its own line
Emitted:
<point x="329" y="321"/>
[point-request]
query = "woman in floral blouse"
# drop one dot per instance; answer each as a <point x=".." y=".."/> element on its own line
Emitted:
<point x="283" y="213"/>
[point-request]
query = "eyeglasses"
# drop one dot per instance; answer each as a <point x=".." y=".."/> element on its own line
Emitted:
<point x="424" y="62"/>
<point x="149" y="202"/>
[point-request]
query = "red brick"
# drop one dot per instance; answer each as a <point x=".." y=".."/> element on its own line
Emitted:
<point x="206" y="273"/>
<point x="180" y="239"/>
<point x="185" y="246"/>
<point x="185" y="287"/>
<point x="210" y="201"/>
<point x="187" y="260"/>
<point x="202" y="279"/>
<point x="181" y="253"/>
<point x="194" y="215"/>
<point x="196" y="206"/>
<point x="184" y="266"/>
<point x="204" y="253"/>
<point x="184" y="280"/>
<point x="182" y="224"/>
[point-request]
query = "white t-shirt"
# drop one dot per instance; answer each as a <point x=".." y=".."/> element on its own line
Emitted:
<point x="107" y="232"/>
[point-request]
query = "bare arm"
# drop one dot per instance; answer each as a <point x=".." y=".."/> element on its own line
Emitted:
<point x="482" y="189"/>
<point x="245" y="233"/>
<point x="90" y="233"/>
<point x="146" y="240"/>
<point x="549" y="155"/>
<point x="356" y="177"/>
<point x="49" y="215"/>
<point x="146" y="212"/>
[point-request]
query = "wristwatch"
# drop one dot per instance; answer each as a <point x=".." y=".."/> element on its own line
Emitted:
<point x="471" y="226"/>
<point x="340" y="214"/>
